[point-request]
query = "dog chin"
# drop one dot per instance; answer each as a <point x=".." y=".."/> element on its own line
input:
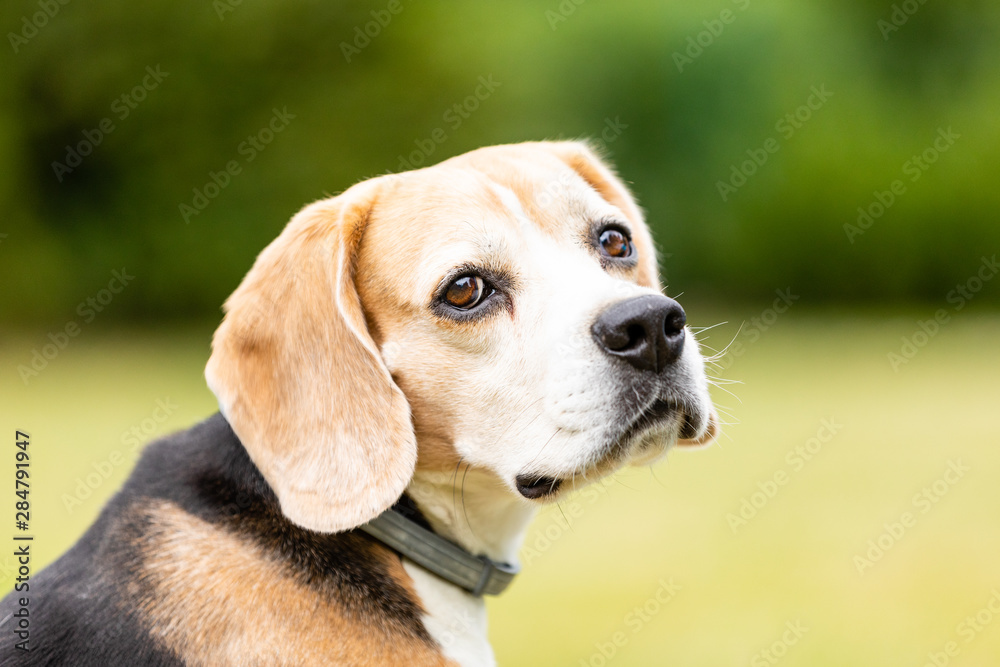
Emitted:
<point x="649" y="447"/>
<point x="652" y="447"/>
<point x="635" y="447"/>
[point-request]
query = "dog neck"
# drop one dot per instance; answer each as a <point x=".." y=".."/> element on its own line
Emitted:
<point x="474" y="510"/>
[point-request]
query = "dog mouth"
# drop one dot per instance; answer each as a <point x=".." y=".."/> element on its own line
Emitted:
<point x="658" y="413"/>
<point x="534" y="487"/>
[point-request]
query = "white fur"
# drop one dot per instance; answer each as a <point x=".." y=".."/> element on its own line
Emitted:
<point x="475" y="510"/>
<point x="525" y="390"/>
<point x="548" y="403"/>
<point x="455" y="619"/>
<point x="550" y="390"/>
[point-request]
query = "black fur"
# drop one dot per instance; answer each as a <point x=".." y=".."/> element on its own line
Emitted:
<point x="82" y="612"/>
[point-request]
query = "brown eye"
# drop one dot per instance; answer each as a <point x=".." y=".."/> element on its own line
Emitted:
<point x="465" y="292"/>
<point x="615" y="244"/>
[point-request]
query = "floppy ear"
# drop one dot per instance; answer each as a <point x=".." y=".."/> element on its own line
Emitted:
<point x="585" y="162"/>
<point x="301" y="381"/>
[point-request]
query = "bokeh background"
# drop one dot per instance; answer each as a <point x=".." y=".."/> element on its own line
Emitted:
<point x="820" y="176"/>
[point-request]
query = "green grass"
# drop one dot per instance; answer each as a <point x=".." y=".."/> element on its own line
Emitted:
<point x="792" y="562"/>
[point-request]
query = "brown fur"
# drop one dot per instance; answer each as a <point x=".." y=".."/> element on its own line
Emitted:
<point x="300" y="380"/>
<point x="403" y="220"/>
<point x="244" y="608"/>
<point x="335" y="359"/>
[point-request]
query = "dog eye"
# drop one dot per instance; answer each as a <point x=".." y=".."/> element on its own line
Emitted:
<point x="466" y="292"/>
<point x="614" y="243"/>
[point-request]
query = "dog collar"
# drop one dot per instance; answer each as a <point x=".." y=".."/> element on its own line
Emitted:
<point x="477" y="574"/>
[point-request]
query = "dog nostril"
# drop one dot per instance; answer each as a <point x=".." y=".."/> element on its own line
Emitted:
<point x="646" y="332"/>
<point x="613" y="339"/>
<point x="674" y="323"/>
<point x="636" y="333"/>
<point x="622" y="339"/>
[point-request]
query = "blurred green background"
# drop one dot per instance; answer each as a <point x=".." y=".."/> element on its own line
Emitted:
<point x="751" y="132"/>
<point x="607" y="64"/>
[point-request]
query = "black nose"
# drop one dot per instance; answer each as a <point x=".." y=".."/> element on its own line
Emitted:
<point x="647" y="331"/>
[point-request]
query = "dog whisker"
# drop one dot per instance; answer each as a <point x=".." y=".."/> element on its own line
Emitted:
<point x="652" y="471"/>
<point x="454" y="487"/>
<point x="700" y="330"/>
<point x="718" y="380"/>
<point x="733" y="420"/>
<point x="554" y="433"/>
<point x="465" y="509"/>
<point x="719" y="355"/>
<point x="722" y="388"/>
<point x="517" y="417"/>
<point x="565" y="518"/>
<point x="621" y="483"/>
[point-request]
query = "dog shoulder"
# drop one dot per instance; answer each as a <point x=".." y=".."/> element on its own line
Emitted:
<point x="193" y="563"/>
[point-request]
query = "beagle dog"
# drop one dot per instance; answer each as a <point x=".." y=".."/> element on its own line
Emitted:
<point x="453" y="346"/>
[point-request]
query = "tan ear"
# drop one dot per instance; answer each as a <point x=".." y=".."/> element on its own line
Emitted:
<point x="585" y="162"/>
<point x="301" y="381"/>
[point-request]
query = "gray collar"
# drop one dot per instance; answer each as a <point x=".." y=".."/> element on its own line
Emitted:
<point x="477" y="574"/>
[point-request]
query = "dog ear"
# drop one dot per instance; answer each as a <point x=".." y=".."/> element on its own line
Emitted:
<point x="301" y="381"/>
<point x="599" y="175"/>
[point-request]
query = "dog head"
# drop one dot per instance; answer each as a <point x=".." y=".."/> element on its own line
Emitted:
<point x="500" y="309"/>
